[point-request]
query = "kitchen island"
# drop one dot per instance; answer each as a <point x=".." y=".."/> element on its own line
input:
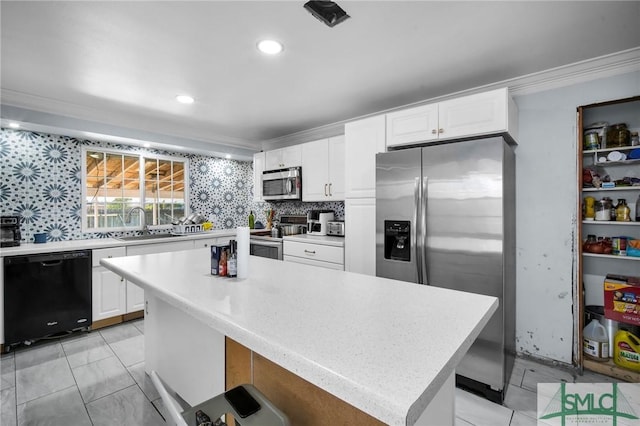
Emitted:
<point x="385" y="349"/>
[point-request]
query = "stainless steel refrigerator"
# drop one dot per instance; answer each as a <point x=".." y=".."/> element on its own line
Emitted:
<point x="445" y="216"/>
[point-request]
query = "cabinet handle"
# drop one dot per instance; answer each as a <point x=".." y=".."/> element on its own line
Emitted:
<point x="109" y="257"/>
<point x="440" y="130"/>
<point x="325" y="190"/>
<point x="434" y="131"/>
<point x="146" y="307"/>
<point x="330" y="194"/>
<point x="121" y="279"/>
<point x="206" y="245"/>
<point x="310" y="251"/>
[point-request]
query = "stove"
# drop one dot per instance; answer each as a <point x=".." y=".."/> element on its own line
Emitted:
<point x="264" y="244"/>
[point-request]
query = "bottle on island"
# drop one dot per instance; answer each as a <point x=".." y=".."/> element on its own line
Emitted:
<point x="232" y="260"/>
<point x="222" y="269"/>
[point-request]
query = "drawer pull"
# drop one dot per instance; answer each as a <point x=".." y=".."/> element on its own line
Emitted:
<point x="310" y="251"/>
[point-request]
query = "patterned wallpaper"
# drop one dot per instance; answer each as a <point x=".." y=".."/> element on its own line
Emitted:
<point x="40" y="180"/>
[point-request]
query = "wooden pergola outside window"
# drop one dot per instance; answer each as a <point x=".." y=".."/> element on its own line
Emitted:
<point x="117" y="182"/>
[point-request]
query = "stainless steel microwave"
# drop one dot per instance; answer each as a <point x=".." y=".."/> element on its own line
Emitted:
<point x="283" y="184"/>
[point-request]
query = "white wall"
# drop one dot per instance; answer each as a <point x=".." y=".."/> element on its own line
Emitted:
<point x="546" y="200"/>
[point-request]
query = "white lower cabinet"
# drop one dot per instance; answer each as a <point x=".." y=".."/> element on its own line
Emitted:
<point x="108" y="289"/>
<point x="325" y="256"/>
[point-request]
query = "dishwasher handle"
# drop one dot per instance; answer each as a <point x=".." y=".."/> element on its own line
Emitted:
<point x="47" y="259"/>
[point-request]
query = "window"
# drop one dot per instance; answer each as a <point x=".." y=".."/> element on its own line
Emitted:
<point x="119" y="187"/>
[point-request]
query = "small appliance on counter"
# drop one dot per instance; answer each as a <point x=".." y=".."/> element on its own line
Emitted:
<point x="317" y="221"/>
<point x="335" y="228"/>
<point x="10" y="231"/>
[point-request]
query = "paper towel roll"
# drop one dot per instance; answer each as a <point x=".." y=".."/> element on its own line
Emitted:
<point x="242" y="237"/>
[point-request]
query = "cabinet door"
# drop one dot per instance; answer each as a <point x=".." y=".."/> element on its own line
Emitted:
<point x="258" y="168"/>
<point x="336" y="168"/>
<point x="135" y="298"/>
<point x="282" y="158"/>
<point x="292" y="156"/>
<point x="483" y="113"/>
<point x="412" y="125"/>
<point x="363" y="140"/>
<point x="273" y="159"/>
<point x="360" y="236"/>
<point x="108" y="293"/>
<point x="315" y="170"/>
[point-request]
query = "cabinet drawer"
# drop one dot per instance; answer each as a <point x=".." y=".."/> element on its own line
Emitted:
<point x="106" y="253"/>
<point x="320" y="263"/>
<point x="314" y="251"/>
<point x="221" y="241"/>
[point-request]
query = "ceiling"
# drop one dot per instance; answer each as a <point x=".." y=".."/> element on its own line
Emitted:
<point x="119" y="65"/>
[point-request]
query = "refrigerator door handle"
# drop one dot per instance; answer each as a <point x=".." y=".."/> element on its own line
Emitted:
<point x="424" y="234"/>
<point x="415" y="233"/>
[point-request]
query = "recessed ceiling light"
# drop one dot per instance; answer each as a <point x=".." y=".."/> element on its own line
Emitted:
<point x="14" y="125"/>
<point x="270" y="47"/>
<point x="185" y="99"/>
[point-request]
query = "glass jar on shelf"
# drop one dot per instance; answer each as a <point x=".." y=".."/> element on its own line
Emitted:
<point x="623" y="212"/>
<point x="618" y="136"/>
<point x="603" y="209"/>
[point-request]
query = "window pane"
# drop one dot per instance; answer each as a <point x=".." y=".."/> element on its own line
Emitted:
<point x="113" y="185"/>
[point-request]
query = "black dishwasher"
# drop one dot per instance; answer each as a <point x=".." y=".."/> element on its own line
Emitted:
<point x="46" y="294"/>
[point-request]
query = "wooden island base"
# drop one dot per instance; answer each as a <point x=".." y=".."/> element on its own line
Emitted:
<point x="303" y="402"/>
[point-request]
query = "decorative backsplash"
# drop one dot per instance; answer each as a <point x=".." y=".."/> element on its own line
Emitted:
<point x="40" y="180"/>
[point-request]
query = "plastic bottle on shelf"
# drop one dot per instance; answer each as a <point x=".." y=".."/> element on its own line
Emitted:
<point x="595" y="343"/>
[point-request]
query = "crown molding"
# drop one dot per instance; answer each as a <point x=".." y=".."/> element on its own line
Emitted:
<point x="45" y="122"/>
<point x="622" y="62"/>
<point x="36" y="106"/>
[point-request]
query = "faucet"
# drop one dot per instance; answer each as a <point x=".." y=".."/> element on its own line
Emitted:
<point x="145" y="228"/>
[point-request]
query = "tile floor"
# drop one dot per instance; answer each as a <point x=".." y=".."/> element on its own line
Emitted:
<point x="98" y="378"/>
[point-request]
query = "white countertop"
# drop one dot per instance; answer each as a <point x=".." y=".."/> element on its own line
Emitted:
<point x="98" y="243"/>
<point x="326" y="240"/>
<point x="384" y="346"/>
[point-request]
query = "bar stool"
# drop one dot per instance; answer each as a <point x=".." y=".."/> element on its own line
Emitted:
<point x="183" y="414"/>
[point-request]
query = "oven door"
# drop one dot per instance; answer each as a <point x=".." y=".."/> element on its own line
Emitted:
<point x="268" y="249"/>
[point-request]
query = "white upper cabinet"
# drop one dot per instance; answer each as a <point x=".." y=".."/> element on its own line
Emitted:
<point x="487" y="113"/>
<point x="363" y="140"/>
<point x="258" y="168"/>
<point x="283" y="158"/>
<point x="415" y="124"/>
<point x="323" y="170"/>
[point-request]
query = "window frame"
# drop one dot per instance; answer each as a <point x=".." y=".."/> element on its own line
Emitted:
<point x="142" y="157"/>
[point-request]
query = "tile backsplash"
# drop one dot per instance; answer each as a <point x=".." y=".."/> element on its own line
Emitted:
<point x="40" y="181"/>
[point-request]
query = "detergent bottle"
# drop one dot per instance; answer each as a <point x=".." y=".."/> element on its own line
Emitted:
<point x="595" y="343"/>
<point x="627" y="350"/>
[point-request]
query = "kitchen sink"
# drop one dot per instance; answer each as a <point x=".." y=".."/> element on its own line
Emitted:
<point x="145" y="237"/>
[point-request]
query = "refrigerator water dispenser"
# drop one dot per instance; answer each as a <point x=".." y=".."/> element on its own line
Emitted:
<point x="397" y="240"/>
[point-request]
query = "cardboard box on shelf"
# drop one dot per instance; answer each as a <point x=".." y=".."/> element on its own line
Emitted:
<point x="622" y="298"/>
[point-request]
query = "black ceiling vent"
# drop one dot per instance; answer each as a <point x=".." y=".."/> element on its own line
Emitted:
<point x="326" y="11"/>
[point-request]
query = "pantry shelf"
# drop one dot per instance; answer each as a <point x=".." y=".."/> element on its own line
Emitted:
<point x="609" y="368"/>
<point x="619" y="188"/>
<point x="611" y="256"/>
<point x="610" y="222"/>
